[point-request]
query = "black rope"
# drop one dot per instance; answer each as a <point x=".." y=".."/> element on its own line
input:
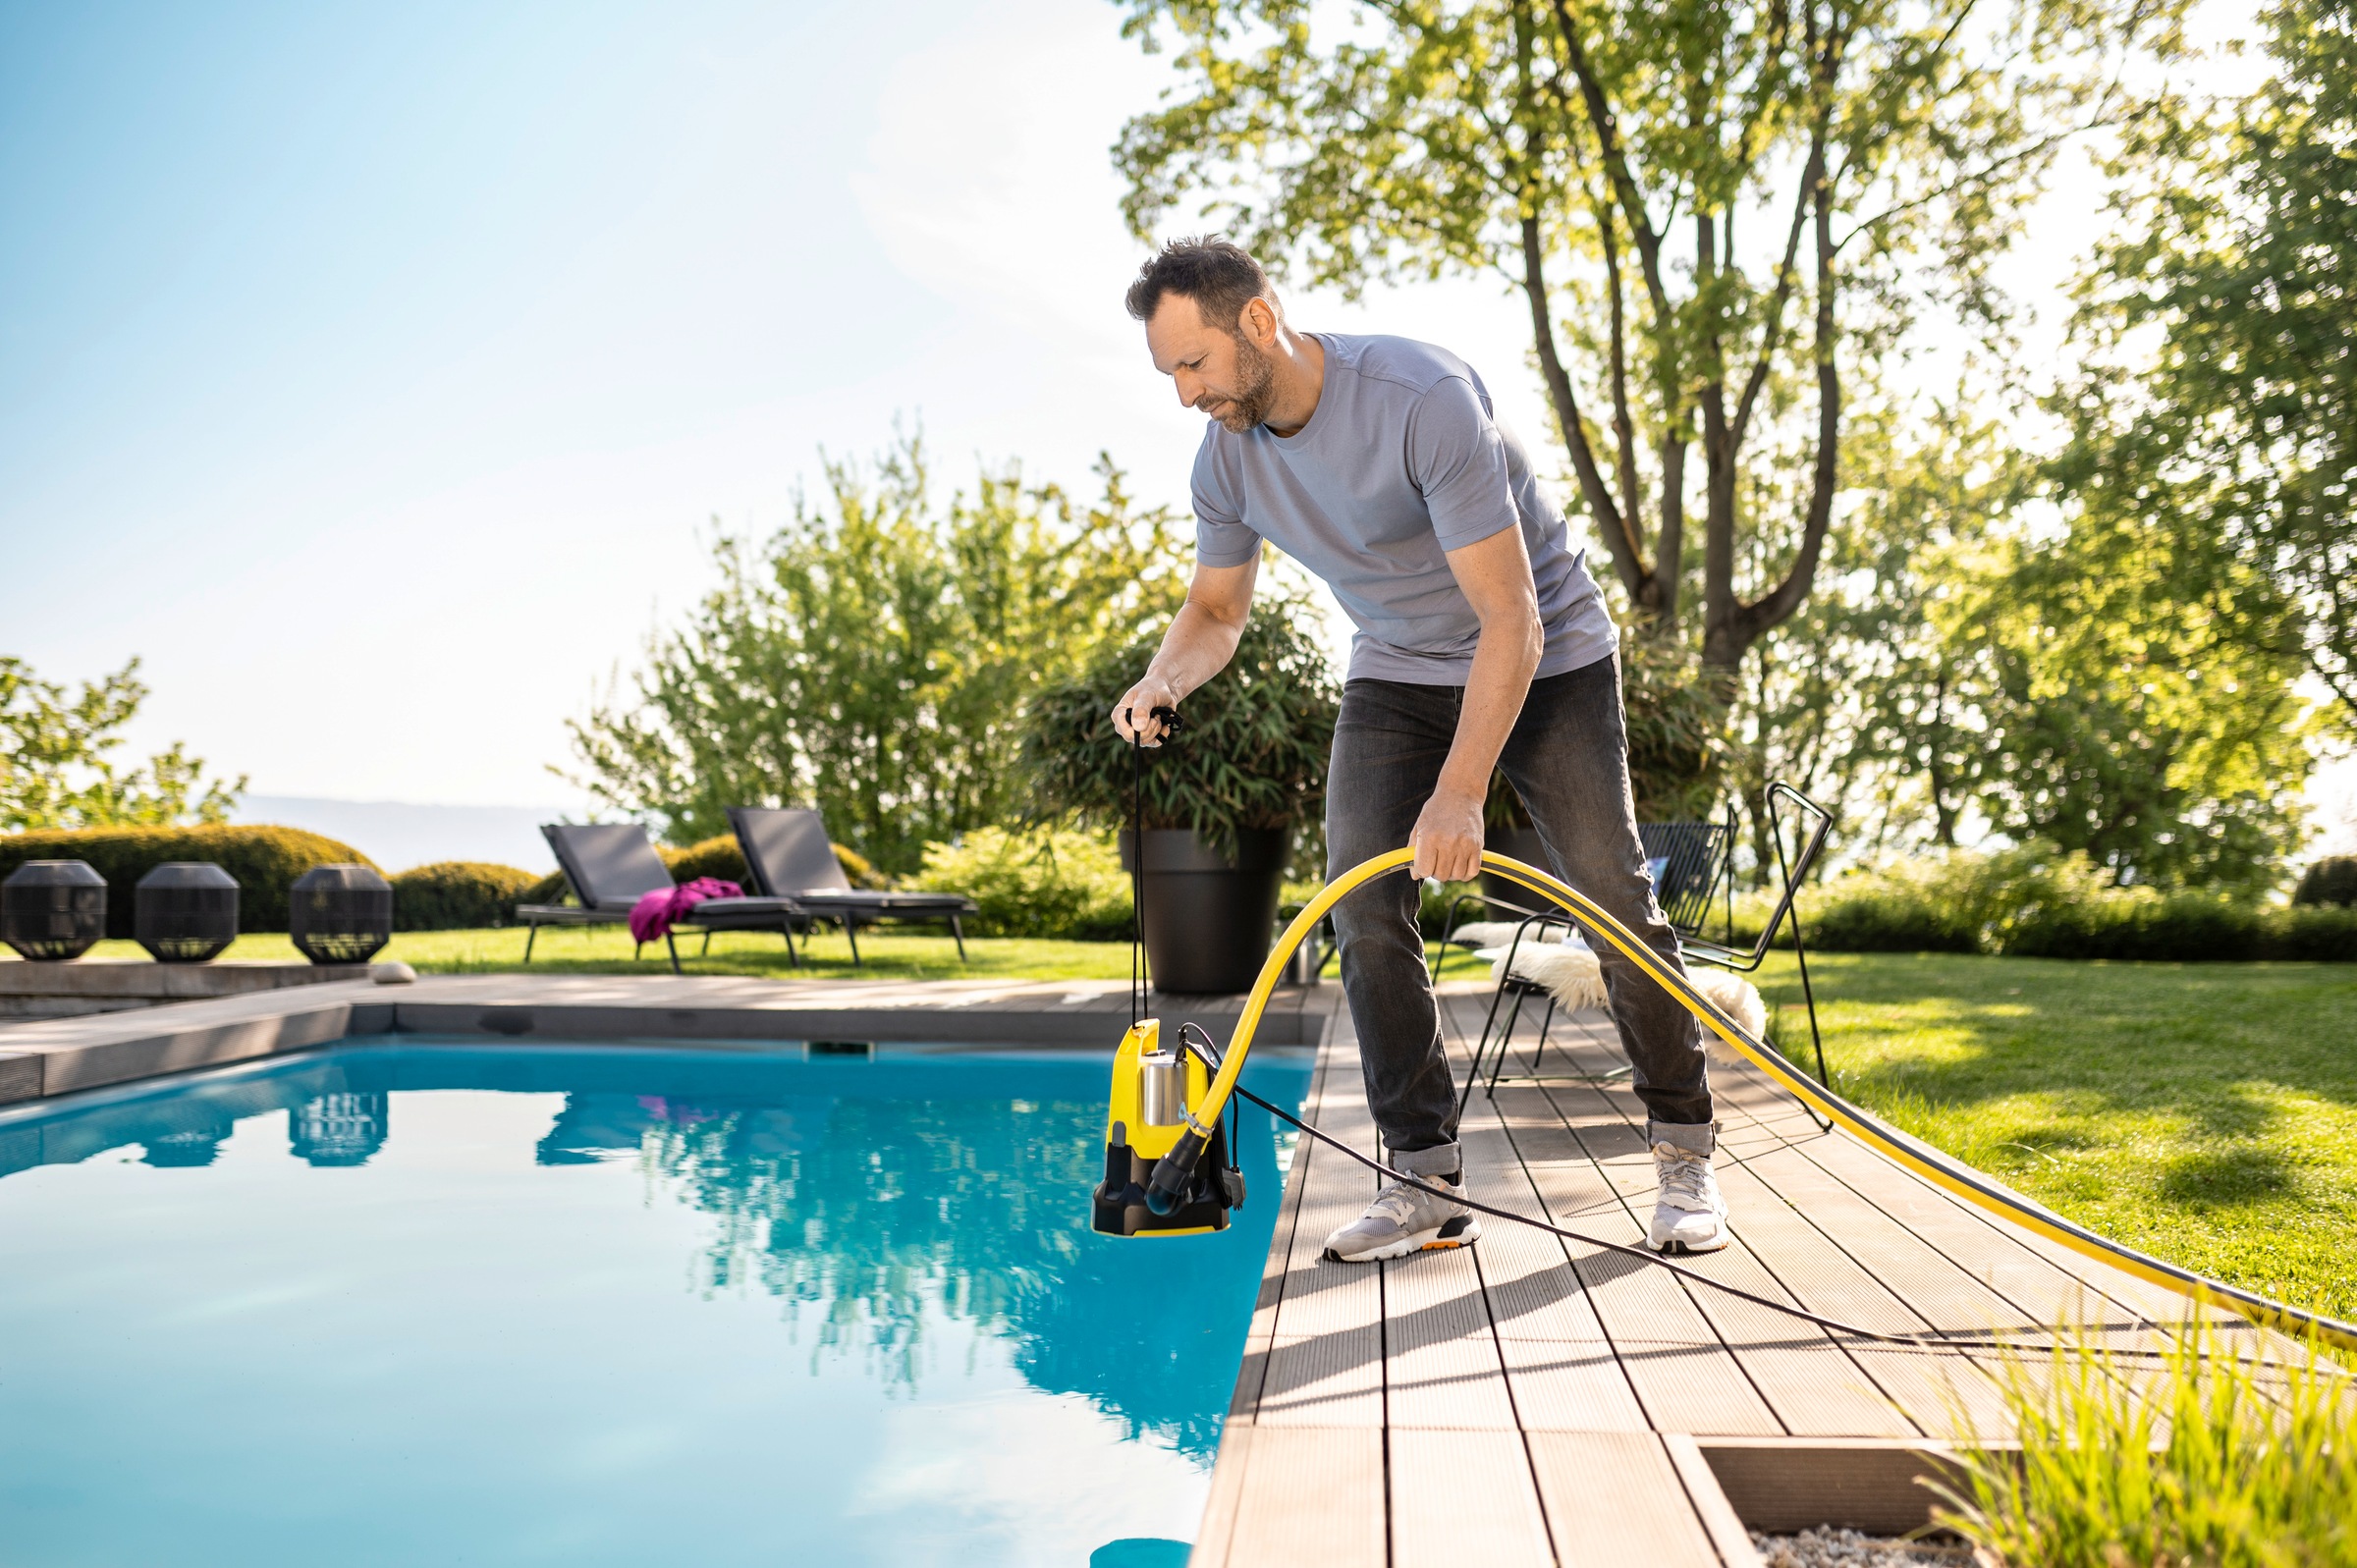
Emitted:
<point x="1138" y="975"/>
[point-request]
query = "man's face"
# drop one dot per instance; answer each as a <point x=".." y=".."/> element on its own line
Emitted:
<point x="1218" y="371"/>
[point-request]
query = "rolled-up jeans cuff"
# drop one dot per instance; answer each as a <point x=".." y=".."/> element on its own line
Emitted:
<point x="1701" y="1137"/>
<point x="1442" y="1160"/>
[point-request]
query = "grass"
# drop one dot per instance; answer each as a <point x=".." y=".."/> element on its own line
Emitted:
<point x="2206" y="1114"/>
<point x="2204" y="1460"/>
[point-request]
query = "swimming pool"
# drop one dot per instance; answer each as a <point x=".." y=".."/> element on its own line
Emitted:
<point x="452" y="1303"/>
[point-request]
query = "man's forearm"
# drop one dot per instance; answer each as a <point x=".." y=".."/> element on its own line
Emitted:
<point x="1197" y="646"/>
<point x="1504" y="660"/>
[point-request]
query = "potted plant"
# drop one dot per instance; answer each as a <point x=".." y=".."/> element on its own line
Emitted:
<point x="1219" y="803"/>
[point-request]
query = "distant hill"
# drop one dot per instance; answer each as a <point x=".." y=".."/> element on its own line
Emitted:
<point x="398" y="835"/>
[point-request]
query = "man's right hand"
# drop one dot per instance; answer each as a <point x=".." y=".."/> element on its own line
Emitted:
<point x="1134" y="716"/>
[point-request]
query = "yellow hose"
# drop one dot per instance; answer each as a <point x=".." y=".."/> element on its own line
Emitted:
<point x="1918" y="1156"/>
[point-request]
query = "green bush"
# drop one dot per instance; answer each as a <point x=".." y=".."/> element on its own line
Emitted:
<point x="264" y="860"/>
<point x="2036" y="903"/>
<point x="457" y="895"/>
<point x="717" y="857"/>
<point x="2330" y="881"/>
<point x="1037" y="884"/>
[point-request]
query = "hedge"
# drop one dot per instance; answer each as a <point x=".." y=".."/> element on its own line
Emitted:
<point x="2330" y="881"/>
<point x="264" y="860"/>
<point x="2035" y="903"/>
<point x="457" y="895"/>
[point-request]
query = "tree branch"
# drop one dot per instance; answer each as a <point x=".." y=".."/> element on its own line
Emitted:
<point x="1615" y="162"/>
<point x="1628" y="554"/>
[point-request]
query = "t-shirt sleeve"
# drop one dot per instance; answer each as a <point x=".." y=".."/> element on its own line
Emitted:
<point x="1221" y="538"/>
<point x="1457" y="460"/>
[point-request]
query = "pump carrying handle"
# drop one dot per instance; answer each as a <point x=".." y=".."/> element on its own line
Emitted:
<point x="1171" y="1174"/>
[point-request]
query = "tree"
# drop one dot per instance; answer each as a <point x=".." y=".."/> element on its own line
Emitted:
<point x="873" y="655"/>
<point x="1598" y="158"/>
<point x="55" y="771"/>
<point x="1969" y="667"/>
<point x="2218" y="417"/>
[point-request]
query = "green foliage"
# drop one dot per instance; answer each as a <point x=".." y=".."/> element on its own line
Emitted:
<point x="1968" y="669"/>
<point x="718" y="857"/>
<point x="1042" y="883"/>
<point x="1873" y="156"/>
<point x="265" y="861"/>
<point x="871" y="657"/>
<point x="2331" y="879"/>
<point x="2039" y="901"/>
<point x="457" y="895"/>
<point x="2217" y="413"/>
<point x="2222" y="1457"/>
<point x="55" y="771"/>
<point x="1253" y="752"/>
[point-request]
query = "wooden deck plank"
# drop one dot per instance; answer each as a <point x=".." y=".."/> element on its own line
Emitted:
<point x="1641" y="1515"/>
<point x="1459" y="1497"/>
<point x="1307" y="1494"/>
<point x="1682" y="1373"/>
<point x="1814" y="1387"/>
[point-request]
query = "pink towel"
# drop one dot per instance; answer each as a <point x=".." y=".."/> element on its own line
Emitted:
<point x="655" y="913"/>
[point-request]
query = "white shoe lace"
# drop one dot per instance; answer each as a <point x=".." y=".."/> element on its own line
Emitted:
<point x="1685" y="1178"/>
<point x="1395" y="1203"/>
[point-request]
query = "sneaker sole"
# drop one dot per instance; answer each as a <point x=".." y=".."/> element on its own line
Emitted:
<point x="1460" y="1231"/>
<point x="1687" y="1249"/>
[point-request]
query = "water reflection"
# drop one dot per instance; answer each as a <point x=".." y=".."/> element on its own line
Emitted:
<point x="869" y="1197"/>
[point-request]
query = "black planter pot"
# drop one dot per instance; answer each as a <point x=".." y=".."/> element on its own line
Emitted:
<point x="186" y="911"/>
<point x="1518" y="843"/>
<point x="1210" y="918"/>
<point x="52" y="910"/>
<point x="340" y="914"/>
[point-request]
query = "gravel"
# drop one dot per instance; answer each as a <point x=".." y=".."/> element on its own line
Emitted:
<point x="1847" y="1548"/>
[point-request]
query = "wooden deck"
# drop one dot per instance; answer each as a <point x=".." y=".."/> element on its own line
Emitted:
<point x="1534" y="1401"/>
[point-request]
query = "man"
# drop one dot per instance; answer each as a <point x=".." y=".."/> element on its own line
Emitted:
<point x="1482" y="643"/>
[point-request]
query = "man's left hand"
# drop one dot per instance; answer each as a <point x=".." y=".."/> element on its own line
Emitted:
<point x="1448" y="837"/>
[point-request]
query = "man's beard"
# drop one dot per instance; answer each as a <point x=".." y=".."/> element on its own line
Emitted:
<point x="1249" y="405"/>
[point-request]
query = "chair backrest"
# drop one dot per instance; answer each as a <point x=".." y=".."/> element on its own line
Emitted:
<point x="1688" y="861"/>
<point x="788" y="851"/>
<point x="607" y="863"/>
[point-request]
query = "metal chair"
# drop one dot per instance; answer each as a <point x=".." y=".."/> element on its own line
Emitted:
<point x="1692" y="864"/>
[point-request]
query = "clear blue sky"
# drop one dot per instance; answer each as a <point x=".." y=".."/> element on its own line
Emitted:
<point x="374" y="372"/>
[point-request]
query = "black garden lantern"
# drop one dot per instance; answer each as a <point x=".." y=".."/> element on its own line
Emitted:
<point x="340" y="914"/>
<point x="52" y="909"/>
<point x="186" y="911"/>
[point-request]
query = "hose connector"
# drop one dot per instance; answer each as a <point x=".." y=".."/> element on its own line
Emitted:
<point x="1174" y="1173"/>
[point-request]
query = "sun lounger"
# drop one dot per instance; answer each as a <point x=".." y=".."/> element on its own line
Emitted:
<point x="612" y="866"/>
<point x="791" y="857"/>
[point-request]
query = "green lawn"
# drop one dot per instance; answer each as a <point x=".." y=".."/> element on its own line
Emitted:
<point x="2206" y="1114"/>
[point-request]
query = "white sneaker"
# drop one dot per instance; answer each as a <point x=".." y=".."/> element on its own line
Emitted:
<point x="1688" y="1215"/>
<point x="1403" y="1219"/>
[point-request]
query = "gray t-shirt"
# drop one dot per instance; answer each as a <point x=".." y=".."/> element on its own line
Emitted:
<point x="1402" y="460"/>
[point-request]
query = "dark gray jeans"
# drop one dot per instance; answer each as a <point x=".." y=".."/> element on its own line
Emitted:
<point x="1567" y="758"/>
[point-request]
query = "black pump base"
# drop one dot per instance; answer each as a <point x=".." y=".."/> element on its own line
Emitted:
<point x="1118" y="1207"/>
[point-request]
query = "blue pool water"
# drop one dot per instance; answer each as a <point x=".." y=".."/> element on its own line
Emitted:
<point x="449" y="1304"/>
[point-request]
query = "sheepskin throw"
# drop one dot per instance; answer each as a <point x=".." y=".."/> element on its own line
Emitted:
<point x="1569" y="972"/>
<point x="1501" y="933"/>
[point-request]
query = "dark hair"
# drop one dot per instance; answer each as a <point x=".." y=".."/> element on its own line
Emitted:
<point x="1219" y="275"/>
